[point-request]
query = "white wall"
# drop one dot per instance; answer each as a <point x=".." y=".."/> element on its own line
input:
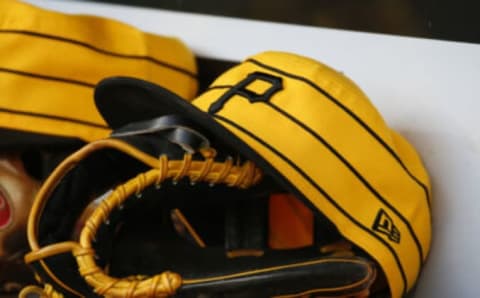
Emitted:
<point x="424" y="88"/>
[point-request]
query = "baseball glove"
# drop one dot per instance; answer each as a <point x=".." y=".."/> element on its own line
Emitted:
<point x="162" y="209"/>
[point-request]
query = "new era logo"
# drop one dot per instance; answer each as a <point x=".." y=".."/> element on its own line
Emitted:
<point x="384" y="224"/>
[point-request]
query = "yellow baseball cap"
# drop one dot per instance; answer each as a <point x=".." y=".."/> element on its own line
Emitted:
<point x="50" y="63"/>
<point x="317" y="134"/>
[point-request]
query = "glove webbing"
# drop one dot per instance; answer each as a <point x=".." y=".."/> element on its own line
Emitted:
<point x="165" y="283"/>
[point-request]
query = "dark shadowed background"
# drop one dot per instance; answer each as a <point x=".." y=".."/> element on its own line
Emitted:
<point x="455" y="20"/>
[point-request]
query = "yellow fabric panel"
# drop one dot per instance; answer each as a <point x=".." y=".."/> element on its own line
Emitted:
<point x="50" y="63"/>
<point x="76" y="105"/>
<point x="74" y="116"/>
<point x="338" y="152"/>
<point x="408" y="154"/>
<point x="43" y="125"/>
<point x="102" y="33"/>
<point x="41" y="56"/>
<point x="333" y="82"/>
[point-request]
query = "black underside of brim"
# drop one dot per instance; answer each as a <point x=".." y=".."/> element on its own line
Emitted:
<point x="123" y="100"/>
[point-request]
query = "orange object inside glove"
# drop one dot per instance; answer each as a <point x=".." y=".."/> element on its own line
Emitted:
<point x="290" y="222"/>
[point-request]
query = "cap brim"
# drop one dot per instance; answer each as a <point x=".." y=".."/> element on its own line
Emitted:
<point x="124" y="100"/>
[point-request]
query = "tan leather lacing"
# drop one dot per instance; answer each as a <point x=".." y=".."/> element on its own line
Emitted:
<point x="166" y="283"/>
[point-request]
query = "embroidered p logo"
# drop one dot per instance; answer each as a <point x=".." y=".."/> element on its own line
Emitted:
<point x="273" y="84"/>
<point x="384" y="224"/>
